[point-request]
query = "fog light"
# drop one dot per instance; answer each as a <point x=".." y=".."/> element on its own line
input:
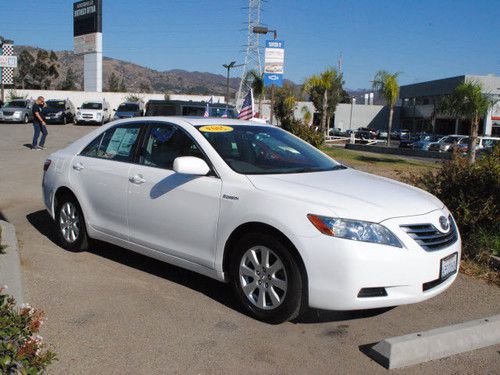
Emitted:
<point x="372" y="292"/>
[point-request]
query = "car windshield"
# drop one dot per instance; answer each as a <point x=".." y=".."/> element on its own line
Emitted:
<point x="265" y="150"/>
<point x="56" y="104"/>
<point x="449" y="140"/>
<point x="91" y="106"/>
<point x="16" y="104"/>
<point x="128" y="107"/>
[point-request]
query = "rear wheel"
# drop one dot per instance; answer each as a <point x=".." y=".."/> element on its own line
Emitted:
<point x="266" y="278"/>
<point x="70" y="223"/>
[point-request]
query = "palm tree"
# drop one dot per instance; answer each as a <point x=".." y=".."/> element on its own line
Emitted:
<point x="387" y="85"/>
<point x="328" y="83"/>
<point x="255" y="80"/>
<point x="307" y="115"/>
<point x="467" y="102"/>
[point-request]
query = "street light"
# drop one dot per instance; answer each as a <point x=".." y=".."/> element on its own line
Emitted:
<point x="229" y="66"/>
<point x="265" y="30"/>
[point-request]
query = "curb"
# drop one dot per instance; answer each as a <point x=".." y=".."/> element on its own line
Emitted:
<point x="10" y="263"/>
<point x="415" y="348"/>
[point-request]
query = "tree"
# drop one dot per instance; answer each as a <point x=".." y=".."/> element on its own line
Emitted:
<point x="255" y="80"/>
<point x="387" y="85"/>
<point x="113" y="83"/>
<point x="123" y="88"/>
<point x="284" y="106"/>
<point x="69" y="84"/>
<point x="467" y="102"/>
<point x="325" y="91"/>
<point x="37" y="73"/>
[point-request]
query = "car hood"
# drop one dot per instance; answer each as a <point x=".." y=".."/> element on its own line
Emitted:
<point x="126" y="114"/>
<point x="13" y="109"/>
<point x="351" y="194"/>
<point x="52" y="110"/>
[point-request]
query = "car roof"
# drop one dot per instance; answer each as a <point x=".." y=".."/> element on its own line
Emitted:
<point x="199" y="121"/>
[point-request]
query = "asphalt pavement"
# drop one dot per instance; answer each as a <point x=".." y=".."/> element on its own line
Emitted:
<point x="111" y="311"/>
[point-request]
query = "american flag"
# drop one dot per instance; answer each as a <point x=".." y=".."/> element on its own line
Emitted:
<point x="224" y="115"/>
<point x="207" y="107"/>
<point x="246" y="112"/>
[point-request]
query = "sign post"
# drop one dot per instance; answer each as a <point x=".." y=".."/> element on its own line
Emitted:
<point x="87" y="33"/>
<point x="274" y="66"/>
<point x="8" y="62"/>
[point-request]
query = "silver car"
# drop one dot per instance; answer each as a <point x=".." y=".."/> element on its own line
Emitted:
<point x="445" y="144"/>
<point x="17" y="110"/>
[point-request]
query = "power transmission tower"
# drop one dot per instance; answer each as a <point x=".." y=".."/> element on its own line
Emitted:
<point x="252" y="57"/>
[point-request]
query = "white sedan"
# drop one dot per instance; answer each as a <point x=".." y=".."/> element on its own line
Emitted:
<point x="255" y="206"/>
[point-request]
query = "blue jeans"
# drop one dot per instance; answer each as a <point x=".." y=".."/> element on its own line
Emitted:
<point x="39" y="128"/>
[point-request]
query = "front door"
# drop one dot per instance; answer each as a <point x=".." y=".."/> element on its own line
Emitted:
<point x="100" y="176"/>
<point x="171" y="212"/>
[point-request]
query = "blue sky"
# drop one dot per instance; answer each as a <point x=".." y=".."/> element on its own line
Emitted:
<point x="424" y="39"/>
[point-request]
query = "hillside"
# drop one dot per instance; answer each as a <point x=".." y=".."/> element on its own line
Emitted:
<point x="139" y="78"/>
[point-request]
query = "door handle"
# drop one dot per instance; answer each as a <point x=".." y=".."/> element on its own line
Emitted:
<point x="78" y="166"/>
<point x="137" y="179"/>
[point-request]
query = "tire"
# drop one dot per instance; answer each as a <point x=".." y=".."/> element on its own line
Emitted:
<point x="273" y="294"/>
<point x="70" y="224"/>
<point x="26" y="119"/>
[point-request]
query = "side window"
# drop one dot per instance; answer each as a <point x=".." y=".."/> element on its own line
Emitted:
<point x="164" y="144"/>
<point x="114" y="144"/>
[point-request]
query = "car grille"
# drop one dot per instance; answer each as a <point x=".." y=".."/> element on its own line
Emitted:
<point x="87" y="116"/>
<point x="429" y="237"/>
<point x="7" y="113"/>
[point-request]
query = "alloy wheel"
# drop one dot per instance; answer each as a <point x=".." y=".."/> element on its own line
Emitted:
<point x="263" y="278"/>
<point x="69" y="222"/>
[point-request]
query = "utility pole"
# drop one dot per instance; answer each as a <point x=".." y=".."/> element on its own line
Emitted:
<point x="252" y="56"/>
<point x="229" y="66"/>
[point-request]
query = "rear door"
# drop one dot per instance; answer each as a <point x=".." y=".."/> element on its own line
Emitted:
<point x="100" y="177"/>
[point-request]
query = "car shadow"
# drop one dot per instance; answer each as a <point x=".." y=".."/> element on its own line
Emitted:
<point x="218" y="291"/>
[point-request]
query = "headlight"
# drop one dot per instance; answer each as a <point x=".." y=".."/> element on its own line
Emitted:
<point x="78" y="113"/>
<point x="98" y="115"/>
<point x="17" y="114"/>
<point x="354" y="230"/>
<point x="60" y="113"/>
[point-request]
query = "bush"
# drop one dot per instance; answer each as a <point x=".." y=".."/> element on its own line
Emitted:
<point x="305" y="132"/>
<point x="21" y="349"/>
<point x="472" y="193"/>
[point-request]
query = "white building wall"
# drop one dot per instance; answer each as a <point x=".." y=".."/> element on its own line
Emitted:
<point x="113" y="98"/>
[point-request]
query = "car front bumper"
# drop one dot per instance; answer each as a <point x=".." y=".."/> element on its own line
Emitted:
<point x="12" y="118"/>
<point x="338" y="269"/>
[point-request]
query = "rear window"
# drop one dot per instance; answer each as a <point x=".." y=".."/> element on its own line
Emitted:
<point x="128" y="107"/>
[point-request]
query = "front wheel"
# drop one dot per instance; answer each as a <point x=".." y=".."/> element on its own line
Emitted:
<point x="71" y="224"/>
<point x="266" y="278"/>
<point x="26" y="119"/>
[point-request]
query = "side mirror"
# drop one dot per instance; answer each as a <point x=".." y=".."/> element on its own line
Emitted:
<point x="191" y="165"/>
<point x="78" y="108"/>
<point x="105" y="110"/>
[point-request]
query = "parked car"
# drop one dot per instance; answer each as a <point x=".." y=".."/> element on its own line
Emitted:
<point x="128" y="110"/>
<point x="188" y="108"/>
<point x="17" y="110"/>
<point x="482" y="142"/>
<point x="425" y="140"/>
<point x="408" y="140"/>
<point x="254" y="206"/>
<point x="93" y="112"/>
<point x="59" y="111"/>
<point x="366" y="133"/>
<point x="399" y="133"/>
<point x="444" y="144"/>
<point x="336" y="132"/>
<point x="382" y="134"/>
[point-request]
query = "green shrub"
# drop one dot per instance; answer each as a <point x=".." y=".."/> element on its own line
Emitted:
<point x="472" y="193"/>
<point x="305" y="132"/>
<point x="21" y="349"/>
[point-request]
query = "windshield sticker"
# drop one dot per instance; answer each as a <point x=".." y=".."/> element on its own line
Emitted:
<point x="216" y="129"/>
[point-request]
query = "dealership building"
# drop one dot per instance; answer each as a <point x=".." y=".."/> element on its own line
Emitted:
<point x="418" y="102"/>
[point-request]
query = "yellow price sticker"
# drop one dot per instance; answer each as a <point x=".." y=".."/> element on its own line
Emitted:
<point x="216" y="129"/>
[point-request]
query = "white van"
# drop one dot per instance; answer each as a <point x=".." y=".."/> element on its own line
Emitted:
<point x="93" y="112"/>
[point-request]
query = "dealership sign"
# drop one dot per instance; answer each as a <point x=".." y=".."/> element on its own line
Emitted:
<point x="274" y="62"/>
<point x="8" y="61"/>
<point x="87" y="26"/>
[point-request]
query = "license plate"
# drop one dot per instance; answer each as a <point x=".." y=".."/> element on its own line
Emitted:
<point x="449" y="265"/>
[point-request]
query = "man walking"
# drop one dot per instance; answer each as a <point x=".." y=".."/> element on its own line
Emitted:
<point x="39" y="125"/>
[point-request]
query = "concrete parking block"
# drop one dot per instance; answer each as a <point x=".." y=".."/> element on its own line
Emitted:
<point x="437" y="343"/>
<point x="10" y="264"/>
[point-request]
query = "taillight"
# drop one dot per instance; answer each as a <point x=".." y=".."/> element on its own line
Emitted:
<point x="46" y="165"/>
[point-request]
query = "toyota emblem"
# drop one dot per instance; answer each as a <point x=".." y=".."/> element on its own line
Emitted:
<point x="445" y="223"/>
